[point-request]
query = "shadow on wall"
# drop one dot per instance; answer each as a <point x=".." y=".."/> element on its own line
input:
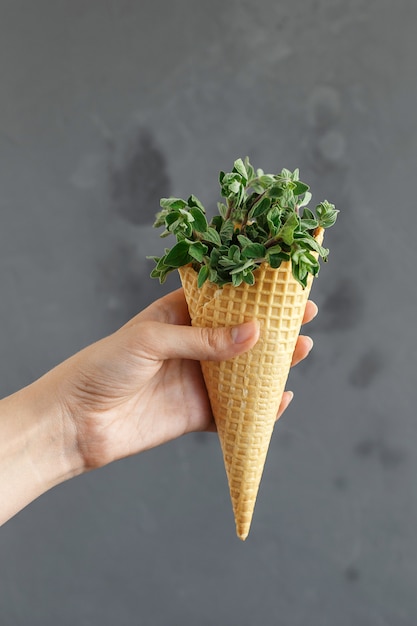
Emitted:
<point x="138" y="178"/>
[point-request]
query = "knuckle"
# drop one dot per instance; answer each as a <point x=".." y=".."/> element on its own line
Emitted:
<point x="143" y="336"/>
<point x="213" y="340"/>
<point x="163" y="313"/>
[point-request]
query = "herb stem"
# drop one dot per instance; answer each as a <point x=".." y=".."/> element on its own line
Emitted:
<point x="229" y="209"/>
<point x="271" y="242"/>
<point x="244" y="222"/>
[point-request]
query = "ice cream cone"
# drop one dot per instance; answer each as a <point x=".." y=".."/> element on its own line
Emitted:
<point x="245" y="392"/>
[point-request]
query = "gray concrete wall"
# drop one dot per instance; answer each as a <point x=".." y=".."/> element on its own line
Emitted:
<point x="107" y="106"/>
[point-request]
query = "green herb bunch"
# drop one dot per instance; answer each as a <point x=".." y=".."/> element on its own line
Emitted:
<point x="264" y="218"/>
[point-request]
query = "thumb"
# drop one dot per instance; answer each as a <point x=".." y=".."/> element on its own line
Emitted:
<point x="169" y="341"/>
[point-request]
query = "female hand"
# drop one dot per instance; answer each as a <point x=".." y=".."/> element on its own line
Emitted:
<point x="142" y="386"/>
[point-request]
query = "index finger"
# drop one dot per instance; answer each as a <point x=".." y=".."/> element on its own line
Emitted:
<point x="169" y="309"/>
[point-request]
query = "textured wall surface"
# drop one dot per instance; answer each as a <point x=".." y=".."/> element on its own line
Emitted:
<point x="106" y="107"/>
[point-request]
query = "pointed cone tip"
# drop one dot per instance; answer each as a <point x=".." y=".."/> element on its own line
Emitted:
<point x="242" y="534"/>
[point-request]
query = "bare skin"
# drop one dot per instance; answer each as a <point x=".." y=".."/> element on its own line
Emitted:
<point x="133" y="390"/>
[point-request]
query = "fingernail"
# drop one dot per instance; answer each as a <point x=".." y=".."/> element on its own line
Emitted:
<point x="291" y="394"/>
<point x="311" y="342"/>
<point x="242" y="333"/>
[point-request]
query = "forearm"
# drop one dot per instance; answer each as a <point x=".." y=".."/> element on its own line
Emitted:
<point x="37" y="447"/>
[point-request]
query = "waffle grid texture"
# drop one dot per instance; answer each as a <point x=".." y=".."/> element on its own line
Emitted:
<point x="245" y="392"/>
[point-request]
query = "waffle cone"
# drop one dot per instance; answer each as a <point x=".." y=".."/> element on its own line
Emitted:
<point x="245" y="392"/>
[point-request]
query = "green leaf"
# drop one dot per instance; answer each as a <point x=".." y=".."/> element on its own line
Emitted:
<point x="309" y="224"/>
<point x="309" y="221"/>
<point x="216" y="222"/>
<point x="161" y="270"/>
<point x="286" y="176"/>
<point x="274" y="256"/>
<point x="249" y="169"/>
<point x="178" y="255"/>
<point x="160" y="264"/>
<point x="311" y="263"/>
<point x="275" y="192"/>
<point x="244" y="241"/>
<point x="215" y="255"/>
<point x="193" y="201"/>
<point x="260" y="207"/>
<point x="266" y="180"/>
<point x="257" y="187"/>
<point x="274" y="220"/>
<point x="212" y="236"/>
<point x="237" y="279"/>
<point x="172" y="203"/>
<point x="213" y="275"/>
<point x="307" y="258"/>
<point x="226" y="231"/>
<point x="287" y="231"/>
<point x="311" y="244"/>
<point x="308" y="215"/>
<point x="160" y="218"/>
<point x="249" y="278"/>
<point x="231" y="184"/>
<point x="254" y="251"/>
<point x="197" y="250"/>
<point x="305" y="200"/>
<point x="299" y="274"/>
<point x="172" y="217"/>
<point x="326" y="213"/>
<point x="276" y="249"/>
<point x="203" y="275"/>
<point x="274" y="260"/>
<point x="222" y="209"/>
<point x="300" y="188"/>
<point x="241" y="268"/>
<point x="234" y="253"/>
<point x="240" y="168"/>
<point x="200" y="223"/>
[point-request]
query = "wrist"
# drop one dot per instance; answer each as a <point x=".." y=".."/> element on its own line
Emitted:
<point x="56" y="454"/>
<point x="37" y="446"/>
